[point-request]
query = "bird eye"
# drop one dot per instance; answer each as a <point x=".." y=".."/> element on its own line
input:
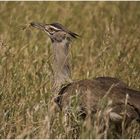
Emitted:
<point x="51" y="29"/>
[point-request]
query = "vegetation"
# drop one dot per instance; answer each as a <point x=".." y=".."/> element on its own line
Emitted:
<point x="109" y="45"/>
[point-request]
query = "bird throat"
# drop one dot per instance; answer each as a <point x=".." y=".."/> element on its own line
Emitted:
<point x="61" y="67"/>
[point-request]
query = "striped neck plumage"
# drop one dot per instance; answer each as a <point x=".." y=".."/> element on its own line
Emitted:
<point x="61" y="67"/>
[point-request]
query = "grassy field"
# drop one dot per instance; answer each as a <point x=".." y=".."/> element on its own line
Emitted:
<point x="109" y="46"/>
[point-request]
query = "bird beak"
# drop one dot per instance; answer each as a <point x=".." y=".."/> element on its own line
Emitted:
<point x="38" y="25"/>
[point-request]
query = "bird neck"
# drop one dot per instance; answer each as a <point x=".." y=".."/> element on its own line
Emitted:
<point x="61" y="68"/>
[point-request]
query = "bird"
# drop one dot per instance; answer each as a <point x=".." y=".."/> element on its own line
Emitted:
<point x="87" y="91"/>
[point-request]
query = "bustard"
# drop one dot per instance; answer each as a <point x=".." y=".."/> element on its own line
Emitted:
<point x="88" y="91"/>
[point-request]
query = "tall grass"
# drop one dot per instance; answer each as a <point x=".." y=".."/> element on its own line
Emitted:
<point x="109" y="46"/>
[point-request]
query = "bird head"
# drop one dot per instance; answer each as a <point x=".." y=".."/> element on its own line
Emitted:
<point x="56" y="31"/>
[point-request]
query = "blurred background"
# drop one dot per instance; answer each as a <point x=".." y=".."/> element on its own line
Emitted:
<point x="109" y="45"/>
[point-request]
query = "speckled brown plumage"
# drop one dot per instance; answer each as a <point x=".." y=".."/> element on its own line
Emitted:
<point x="89" y="92"/>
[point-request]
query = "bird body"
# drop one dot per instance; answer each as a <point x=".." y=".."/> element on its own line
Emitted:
<point x="87" y="92"/>
<point x="90" y="92"/>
